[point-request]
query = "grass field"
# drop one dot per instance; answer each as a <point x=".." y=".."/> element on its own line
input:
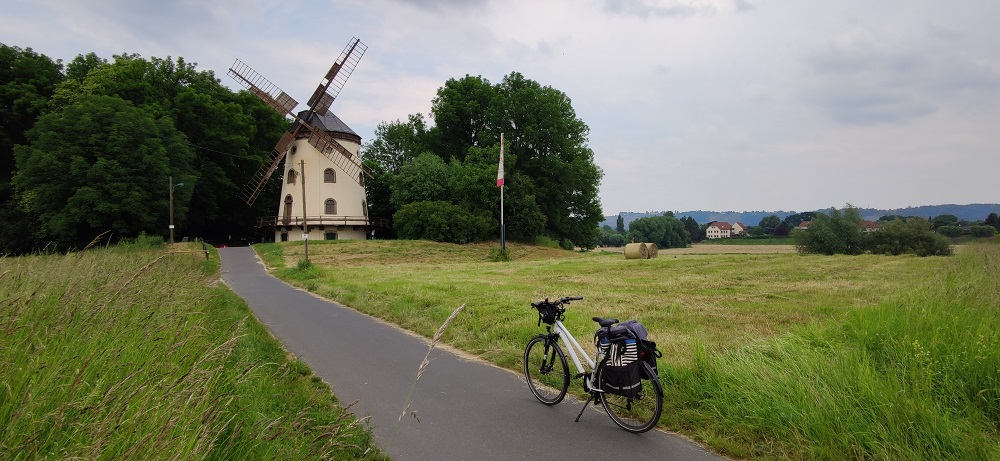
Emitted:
<point x="127" y="353"/>
<point x="766" y="356"/>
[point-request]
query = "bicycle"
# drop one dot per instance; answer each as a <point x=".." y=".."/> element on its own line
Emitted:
<point x="547" y="371"/>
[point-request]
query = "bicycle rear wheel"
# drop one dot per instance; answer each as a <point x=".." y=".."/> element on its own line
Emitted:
<point x="546" y="370"/>
<point x="634" y="414"/>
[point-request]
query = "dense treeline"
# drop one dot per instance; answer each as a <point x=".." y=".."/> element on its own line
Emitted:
<point x="450" y="168"/>
<point x="88" y="147"/>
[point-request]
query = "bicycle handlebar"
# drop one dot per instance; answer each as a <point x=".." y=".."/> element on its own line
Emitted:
<point x="563" y="300"/>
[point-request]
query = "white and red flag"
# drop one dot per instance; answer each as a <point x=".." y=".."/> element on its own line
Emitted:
<point x="500" y="171"/>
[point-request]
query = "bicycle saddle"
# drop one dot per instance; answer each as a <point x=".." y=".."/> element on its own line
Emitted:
<point x="605" y="322"/>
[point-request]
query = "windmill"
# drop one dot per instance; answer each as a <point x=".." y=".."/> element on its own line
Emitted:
<point x="318" y="128"/>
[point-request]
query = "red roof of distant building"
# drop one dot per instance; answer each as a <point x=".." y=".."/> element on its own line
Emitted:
<point x="721" y="225"/>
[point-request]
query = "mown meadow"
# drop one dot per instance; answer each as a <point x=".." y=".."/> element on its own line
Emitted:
<point x="766" y="356"/>
<point x="139" y="353"/>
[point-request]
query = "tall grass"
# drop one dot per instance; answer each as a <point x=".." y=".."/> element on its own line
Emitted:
<point x="130" y="353"/>
<point x="766" y="356"/>
<point x="916" y="377"/>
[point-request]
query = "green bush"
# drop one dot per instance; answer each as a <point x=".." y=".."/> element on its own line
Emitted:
<point x="913" y="236"/>
<point x="546" y="241"/>
<point x="983" y="231"/>
<point x="442" y="222"/>
<point x="143" y="242"/>
<point x="950" y="231"/>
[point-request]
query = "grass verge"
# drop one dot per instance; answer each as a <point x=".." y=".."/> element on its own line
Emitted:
<point x="130" y="353"/>
<point x="767" y="356"/>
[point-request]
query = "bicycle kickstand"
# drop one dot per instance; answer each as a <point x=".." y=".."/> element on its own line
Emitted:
<point x="591" y="399"/>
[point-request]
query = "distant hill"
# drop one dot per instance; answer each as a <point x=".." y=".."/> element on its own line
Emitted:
<point x="973" y="212"/>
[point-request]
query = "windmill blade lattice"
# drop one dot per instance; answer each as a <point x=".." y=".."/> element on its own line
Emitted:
<point x="319" y="103"/>
<point x="262" y="87"/>
<point x="337" y="76"/>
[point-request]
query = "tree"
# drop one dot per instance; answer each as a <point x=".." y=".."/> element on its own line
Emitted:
<point x="461" y="113"/>
<point x="425" y="179"/>
<point x="664" y="231"/>
<point x="695" y="232"/>
<point x="549" y="141"/>
<point x="397" y="143"/>
<point x="610" y="238"/>
<point x="233" y="132"/>
<point x="27" y="81"/>
<point x="793" y="220"/>
<point x="94" y="166"/>
<point x="993" y="220"/>
<point x="550" y="173"/>
<point x="944" y="220"/>
<point x="836" y="233"/>
<point x="769" y="224"/>
<point x="782" y="230"/>
<point x="950" y="231"/>
<point x="620" y="225"/>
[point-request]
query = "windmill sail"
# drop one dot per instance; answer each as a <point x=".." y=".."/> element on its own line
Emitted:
<point x="319" y="104"/>
<point x="262" y="87"/>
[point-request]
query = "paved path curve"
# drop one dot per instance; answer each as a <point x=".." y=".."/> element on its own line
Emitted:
<point x="466" y="409"/>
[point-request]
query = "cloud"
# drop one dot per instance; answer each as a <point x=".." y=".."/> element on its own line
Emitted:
<point x="866" y="76"/>
<point x="675" y="8"/>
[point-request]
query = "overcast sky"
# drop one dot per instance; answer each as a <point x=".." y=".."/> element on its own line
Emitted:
<point x="692" y="104"/>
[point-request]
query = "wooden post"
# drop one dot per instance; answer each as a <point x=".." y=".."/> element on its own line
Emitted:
<point x="305" y="223"/>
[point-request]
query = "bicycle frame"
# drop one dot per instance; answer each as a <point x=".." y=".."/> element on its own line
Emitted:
<point x="574" y="348"/>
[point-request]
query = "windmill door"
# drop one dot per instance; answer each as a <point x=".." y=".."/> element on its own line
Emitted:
<point x="287" y="217"/>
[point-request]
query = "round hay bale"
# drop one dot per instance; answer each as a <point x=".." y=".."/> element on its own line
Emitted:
<point x="652" y="250"/>
<point x="636" y="251"/>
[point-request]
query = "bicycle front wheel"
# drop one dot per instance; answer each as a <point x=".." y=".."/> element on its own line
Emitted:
<point x="546" y="370"/>
<point x="634" y="414"/>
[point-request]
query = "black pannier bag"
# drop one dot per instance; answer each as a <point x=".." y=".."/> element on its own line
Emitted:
<point x="647" y="349"/>
<point x="648" y="353"/>
<point x="622" y="368"/>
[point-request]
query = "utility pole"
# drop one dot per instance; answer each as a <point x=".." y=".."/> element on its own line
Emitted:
<point x="170" y="184"/>
<point x="305" y="225"/>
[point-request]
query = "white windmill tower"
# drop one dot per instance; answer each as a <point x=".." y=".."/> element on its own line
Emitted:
<point x="322" y="192"/>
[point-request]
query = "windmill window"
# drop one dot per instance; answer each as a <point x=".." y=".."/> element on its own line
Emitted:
<point x="364" y="208"/>
<point x="361" y="179"/>
<point x="331" y="206"/>
<point x="291" y="176"/>
<point x="329" y="175"/>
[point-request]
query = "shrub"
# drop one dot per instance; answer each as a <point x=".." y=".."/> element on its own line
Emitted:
<point x="983" y="231"/>
<point x="547" y="242"/>
<point x="950" y="231"/>
<point x="143" y="242"/>
<point x="442" y="222"/>
<point x="914" y="236"/>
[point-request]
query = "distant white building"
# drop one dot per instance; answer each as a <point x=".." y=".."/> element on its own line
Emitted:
<point x="718" y="230"/>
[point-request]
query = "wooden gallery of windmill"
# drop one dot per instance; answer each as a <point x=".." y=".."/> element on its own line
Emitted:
<point x="322" y="191"/>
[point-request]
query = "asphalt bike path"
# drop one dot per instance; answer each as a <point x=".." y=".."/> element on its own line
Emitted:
<point x="460" y="409"/>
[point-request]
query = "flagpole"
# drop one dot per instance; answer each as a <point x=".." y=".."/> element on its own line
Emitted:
<point x="503" y="238"/>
